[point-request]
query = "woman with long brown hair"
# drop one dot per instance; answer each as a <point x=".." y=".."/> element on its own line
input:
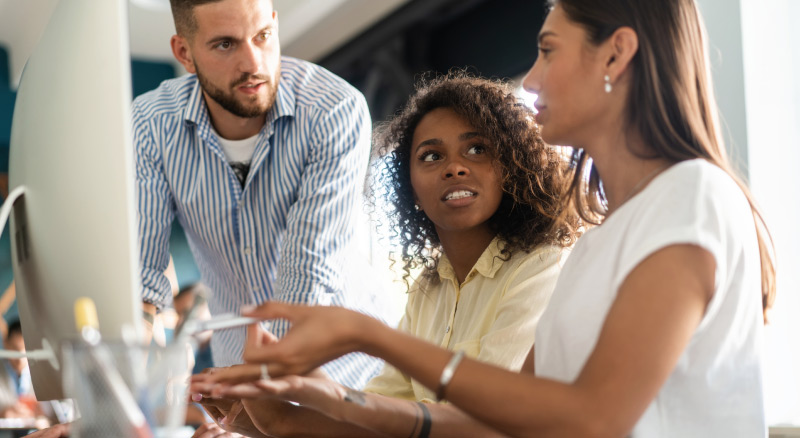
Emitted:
<point x="655" y="326"/>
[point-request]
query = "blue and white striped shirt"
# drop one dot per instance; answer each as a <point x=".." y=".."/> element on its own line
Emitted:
<point x="283" y="236"/>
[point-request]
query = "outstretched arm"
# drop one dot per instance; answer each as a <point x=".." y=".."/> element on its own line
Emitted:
<point x="327" y="408"/>
<point x="657" y="309"/>
<point x="321" y="407"/>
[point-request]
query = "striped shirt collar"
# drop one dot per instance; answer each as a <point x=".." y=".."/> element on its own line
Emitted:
<point x="196" y="111"/>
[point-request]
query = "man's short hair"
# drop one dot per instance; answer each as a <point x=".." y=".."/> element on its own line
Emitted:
<point x="183" y="14"/>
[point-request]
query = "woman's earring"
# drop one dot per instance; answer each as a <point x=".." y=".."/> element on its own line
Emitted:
<point x="608" y="83"/>
<point x="417" y="207"/>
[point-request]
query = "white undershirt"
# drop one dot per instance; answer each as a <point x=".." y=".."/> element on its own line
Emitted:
<point x="239" y="154"/>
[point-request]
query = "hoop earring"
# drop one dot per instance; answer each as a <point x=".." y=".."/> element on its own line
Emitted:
<point x="608" y="83"/>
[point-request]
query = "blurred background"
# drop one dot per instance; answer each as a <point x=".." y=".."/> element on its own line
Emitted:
<point x="382" y="46"/>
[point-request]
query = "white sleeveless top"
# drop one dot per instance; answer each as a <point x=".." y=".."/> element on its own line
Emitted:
<point x="715" y="389"/>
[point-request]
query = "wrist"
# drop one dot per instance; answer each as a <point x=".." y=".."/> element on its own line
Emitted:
<point x="343" y="407"/>
<point x="149" y="308"/>
<point x="370" y="335"/>
<point x="447" y="374"/>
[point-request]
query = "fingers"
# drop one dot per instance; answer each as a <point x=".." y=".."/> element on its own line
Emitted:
<point x="269" y="354"/>
<point x="61" y="430"/>
<point x="232" y="375"/>
<point x="213" y="430"/>
<point x="213" y="411"/>
<point x="217" y="407"/>
<point x="253" y="336"/>
<point x="256" y="390"/>
<point x="199" y="391"/>
<point x="267" y="337"/>
<point x="273" y="310"/>
<point x="301" y="350"/>
<point x="205" y="376"/>
<point x="248" y="391"/>
<point x="226" y="392"/>
<point x="280" y="364"/>
<point x="57" y="431"/>
<point x="258" y="336"/>
<point x="237" y="409"/>
<point x="199" y="386"/>
<point x="202" y="385"/>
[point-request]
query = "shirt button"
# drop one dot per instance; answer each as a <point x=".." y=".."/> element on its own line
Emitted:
<point x="240" y="204"/>
<point x="247" y="250"/>
<point x="447" y="330"/>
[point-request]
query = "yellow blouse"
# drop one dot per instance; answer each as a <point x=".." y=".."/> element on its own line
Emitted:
<point x="492" y="316"/>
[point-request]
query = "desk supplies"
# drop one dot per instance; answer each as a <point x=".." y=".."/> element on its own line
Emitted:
<point x="222" y="322"/>
<point x="104" y="399"/>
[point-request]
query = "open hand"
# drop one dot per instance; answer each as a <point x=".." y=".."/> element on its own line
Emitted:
<point x="317" y="335"/>
<point x="246" y="381"/>
<point x="229" y="413"/>
<point x="57" y="431"/>
<point x="212" y="430"/>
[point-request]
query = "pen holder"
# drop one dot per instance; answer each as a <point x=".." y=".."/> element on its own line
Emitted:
<point x="127" y="391"/>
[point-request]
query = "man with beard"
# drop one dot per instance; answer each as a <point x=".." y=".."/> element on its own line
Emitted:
<point x="261" y="158"/>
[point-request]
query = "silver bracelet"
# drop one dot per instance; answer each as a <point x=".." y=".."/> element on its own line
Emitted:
<point x="447" y="374"/>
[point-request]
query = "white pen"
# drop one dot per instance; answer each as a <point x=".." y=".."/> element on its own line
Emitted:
<point x="224" y="321"/>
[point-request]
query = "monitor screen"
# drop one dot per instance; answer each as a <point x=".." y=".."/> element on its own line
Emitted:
<point x="73" y="231"/>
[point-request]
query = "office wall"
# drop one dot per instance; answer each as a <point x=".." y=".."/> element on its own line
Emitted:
<point x="771" y="53"/>
<point x="724" y="26"/>
<point x="755" y="53"/>
<point x="7" y="97"/>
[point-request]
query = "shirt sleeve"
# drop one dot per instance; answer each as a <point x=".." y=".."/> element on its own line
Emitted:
<point x="155" y="213"/>
<point x="526" y="294"/>
<point x="698" y="204"/>
<point x="319" y="224"/>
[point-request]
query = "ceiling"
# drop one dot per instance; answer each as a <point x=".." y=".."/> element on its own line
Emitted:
<point x="309" y="29"/>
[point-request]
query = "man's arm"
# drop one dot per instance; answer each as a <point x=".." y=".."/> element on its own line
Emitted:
<point x="319" y="223"/>
<point x="155" y="213"/>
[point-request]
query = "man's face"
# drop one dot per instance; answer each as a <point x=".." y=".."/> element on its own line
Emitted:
<point x="236" y="55"/>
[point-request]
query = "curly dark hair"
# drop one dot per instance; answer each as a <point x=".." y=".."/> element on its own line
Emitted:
<point x="534" y="176"/>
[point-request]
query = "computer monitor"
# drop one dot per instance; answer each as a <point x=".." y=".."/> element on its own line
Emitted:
<point x="73" y="230"/>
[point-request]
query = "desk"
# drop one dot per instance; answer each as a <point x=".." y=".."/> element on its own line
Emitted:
<point x="784" y="432"/>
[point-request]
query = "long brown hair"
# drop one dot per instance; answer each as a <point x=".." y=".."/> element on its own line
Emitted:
<point x="671" y="101"/>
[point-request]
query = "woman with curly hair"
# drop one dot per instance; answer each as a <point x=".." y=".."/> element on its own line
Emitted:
<point x="475" y="197"/>
<point x="532" y="176"/>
